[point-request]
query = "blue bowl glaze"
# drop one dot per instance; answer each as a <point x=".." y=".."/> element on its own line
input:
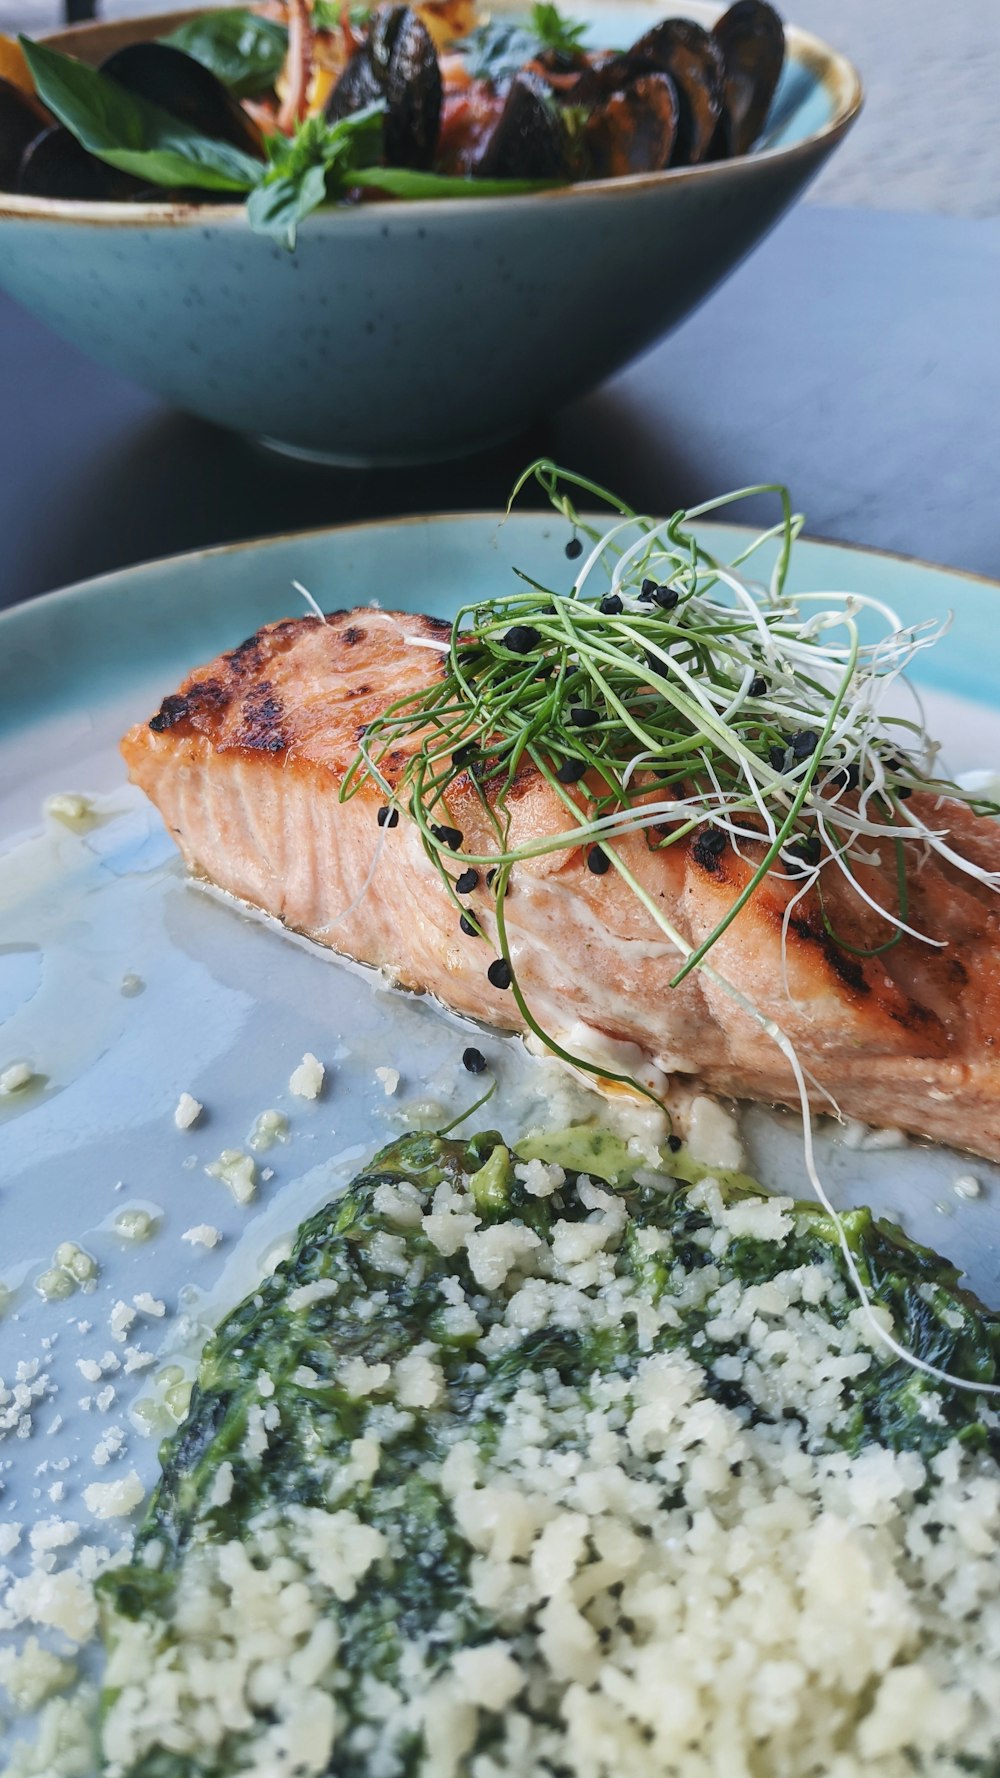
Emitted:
<point x="399" y="333"/>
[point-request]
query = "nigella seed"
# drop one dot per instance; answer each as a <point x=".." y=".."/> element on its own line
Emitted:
<point x="708" y="848"/>
<point x="758" y="686"/>
<point x="448" y="836"/>
<point x="499" y="973"/>
<point x="848" y="778"/>
<point x="804" y="742"/>
<point x="388" y="817"/>
<point x="468" y="881"/>
<point x="474" y="1060"/>
<point x="464" y="755"/>
<point x="581" y="717"/>
<point x="522" y="638"/>
<point x="598" y="861"/>
<point x="574" y="548"/>
<point x="610" y="605"/>
<point x="469" y="927"/>
<point x="776" y="755"/>
<point x="673" y="1143"/>
<point x="805" y="850"/>
<point x="666" y="597"/>
<point x="903" y="791"/>
<point x="491" y="877"/>
<point x="571" y="771"/>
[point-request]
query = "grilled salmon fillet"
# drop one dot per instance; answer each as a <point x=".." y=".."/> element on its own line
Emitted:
<point x="245" y="763"/>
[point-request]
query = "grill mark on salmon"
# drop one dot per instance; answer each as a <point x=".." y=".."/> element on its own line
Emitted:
<point x="245" y="762"/>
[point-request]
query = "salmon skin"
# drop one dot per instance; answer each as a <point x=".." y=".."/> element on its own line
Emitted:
<point x="246" y="761"/>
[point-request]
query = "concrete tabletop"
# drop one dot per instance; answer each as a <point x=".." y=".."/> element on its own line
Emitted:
<point x="853" y="357"/>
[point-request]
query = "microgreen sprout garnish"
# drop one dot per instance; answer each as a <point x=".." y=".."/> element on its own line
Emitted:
<point x="671" y="695"/>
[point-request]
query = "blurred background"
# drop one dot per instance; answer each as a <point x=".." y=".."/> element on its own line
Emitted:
<point x="927" y="139"/>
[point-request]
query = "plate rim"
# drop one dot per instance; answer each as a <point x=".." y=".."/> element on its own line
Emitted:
<point x="80" y="589"/>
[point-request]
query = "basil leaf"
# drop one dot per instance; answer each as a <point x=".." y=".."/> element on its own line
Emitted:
<point x="243" y="50"/>
<point x="555" y="31"/>
<point x="328" y="15"/>
<point x="314" y="164"/>
<point x="131" y="134"/>
<point x="277" y="208"/>
<point x="404" y="182"/>
<point x="497" y="51"/>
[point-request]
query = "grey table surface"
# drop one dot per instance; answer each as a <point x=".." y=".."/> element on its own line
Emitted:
<point x="854" y="357"/>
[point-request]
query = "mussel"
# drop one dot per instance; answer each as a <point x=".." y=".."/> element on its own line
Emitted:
<point x="54" y="165"/>
<point x="634" y="130"/>
<point x="694" y="61"/>
<point x="190" y="92"/>
<point x="22" y="118"/>
<point x="529" y="140"/>
<point x="752" y="40"/>
<point x="397" y="63"/>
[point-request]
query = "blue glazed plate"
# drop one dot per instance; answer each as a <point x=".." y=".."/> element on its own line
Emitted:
<point x="122" y="987"/>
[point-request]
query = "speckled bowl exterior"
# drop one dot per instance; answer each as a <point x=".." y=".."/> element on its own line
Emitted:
<point x="408" y="332"/>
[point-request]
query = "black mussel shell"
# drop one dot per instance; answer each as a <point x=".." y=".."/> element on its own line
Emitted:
<point x="752" y="40"/>
<point x="529" y="140"/>
<point x="55" y="166"/>
<point x="399" y="64"/>
<point x="694" y="61"/>
<point x="22" y="118"/>
<point x="177" y="83"/>
<point x="634" y="130"/>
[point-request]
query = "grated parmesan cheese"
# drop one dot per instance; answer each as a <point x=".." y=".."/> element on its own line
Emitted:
<point x="306" y="1081"/>
<point x="187" y="1111"/>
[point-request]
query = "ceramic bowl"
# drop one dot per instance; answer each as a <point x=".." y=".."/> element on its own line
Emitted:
<point x="399" y="333"/>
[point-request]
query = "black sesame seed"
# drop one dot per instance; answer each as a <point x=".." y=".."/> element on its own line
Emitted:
<point x="654" y="662"/>
<point x="848" y="778"/>
<point x="804" y="742"/>
<point x="805" y="850"/>
<point x="571" y="771"/>
<point x="574" y="548"/>
<point x="468" y="881"/>
<point x="666" y="597"/>
<point x="758" y="686"/>
<point x="673" y="1143"/>
<point x="465" y="754"/>
<point x="491" y="877"/>
<point x="388" y="817"/>
<point x="611" y="605"/>
<point x="499" y="973"/>
<point x="474" y="1060"/>
<point x="776" y="755"/>
<point x="581" y="717"/>
<point x="522" y="638"/>
<point x="903" y="791"/>
<point x="598" y="861"/>
<point x="469" y="927"/>
<point x="448" y="836"/>
<point x="708" y="847"/>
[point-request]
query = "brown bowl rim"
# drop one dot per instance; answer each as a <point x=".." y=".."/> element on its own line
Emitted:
<point x="829" y="66"/>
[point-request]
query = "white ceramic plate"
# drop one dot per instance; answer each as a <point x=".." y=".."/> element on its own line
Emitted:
<point x="226" y="1006"/>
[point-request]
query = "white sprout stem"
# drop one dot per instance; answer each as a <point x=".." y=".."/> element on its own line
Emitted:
<point x="876" y="906"/>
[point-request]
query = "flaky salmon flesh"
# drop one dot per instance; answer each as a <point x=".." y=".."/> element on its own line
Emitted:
<point x="245" y="764"/>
